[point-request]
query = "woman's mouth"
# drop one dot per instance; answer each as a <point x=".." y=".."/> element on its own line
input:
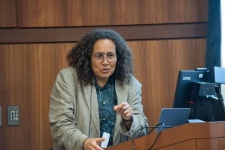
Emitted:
<point x="104" y="70"/>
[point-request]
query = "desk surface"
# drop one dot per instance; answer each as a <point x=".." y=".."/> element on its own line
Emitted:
<point x="180" y="134"/>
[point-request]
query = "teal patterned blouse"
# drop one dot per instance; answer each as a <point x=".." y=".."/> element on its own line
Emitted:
<point x="106" y="100"/>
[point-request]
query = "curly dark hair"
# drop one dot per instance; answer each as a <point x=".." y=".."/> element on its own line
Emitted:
<point x="80" y="56"/>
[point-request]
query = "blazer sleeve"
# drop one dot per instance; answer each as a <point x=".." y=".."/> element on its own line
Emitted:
<point x="61" y="113"/>
<point x="140" y="121"/>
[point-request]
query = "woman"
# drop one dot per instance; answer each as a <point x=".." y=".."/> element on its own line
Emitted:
<point x="97" y="93"/>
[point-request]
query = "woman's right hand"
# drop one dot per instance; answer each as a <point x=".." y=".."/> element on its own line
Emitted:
<point x="93" y="144"/>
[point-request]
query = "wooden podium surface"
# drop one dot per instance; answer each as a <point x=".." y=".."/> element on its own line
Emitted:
<point x="191" y="136"/>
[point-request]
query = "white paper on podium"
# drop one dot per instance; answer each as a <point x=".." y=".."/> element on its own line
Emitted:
<point x="104" y="144"/>
<point x="195" y="120"/>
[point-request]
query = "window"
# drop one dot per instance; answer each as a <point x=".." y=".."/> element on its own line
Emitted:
<point x="222" y="9"/>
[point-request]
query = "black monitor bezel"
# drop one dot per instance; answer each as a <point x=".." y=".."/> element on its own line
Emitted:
<point x="184" y="86"/>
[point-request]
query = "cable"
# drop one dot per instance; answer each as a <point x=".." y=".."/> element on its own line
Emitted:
<point x="152" y="128"/>
<point x="156" y="137"/>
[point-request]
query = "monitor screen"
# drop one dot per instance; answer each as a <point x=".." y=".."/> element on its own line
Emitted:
<point x="219" y="74"/>
<point x="184" y="86"/>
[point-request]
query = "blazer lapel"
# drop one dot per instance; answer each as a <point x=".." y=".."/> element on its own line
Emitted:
<point x="121" y="97"/>
<point x="92" y="102"/>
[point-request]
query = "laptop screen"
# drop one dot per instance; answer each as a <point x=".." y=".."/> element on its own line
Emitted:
<point x="172" y="117"/>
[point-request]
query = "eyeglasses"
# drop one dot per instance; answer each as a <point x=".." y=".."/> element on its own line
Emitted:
<point x="100" y="56"/>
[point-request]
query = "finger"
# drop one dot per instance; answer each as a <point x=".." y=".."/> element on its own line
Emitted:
<point x="100" y="148"/>
<point x="99" y="140"/>
<point x="97" y="148"/>
<point x="127" y="111"/>
<point x="90" y="144"/>
<point x="121" y="105"/>
<point x="127" y="114"/>
<point x="126" y="107"/>
<point x="117" y="107"/>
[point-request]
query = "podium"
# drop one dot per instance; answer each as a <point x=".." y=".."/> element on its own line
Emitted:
<point x="190" y="136"/>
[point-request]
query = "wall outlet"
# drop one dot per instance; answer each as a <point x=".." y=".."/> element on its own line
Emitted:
<point x="13" y="115"/>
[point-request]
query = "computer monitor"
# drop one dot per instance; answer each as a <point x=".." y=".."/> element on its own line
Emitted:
<point x="204" y="98"/>
<point x="219" y="75"/>
<point x="184" y="85"/>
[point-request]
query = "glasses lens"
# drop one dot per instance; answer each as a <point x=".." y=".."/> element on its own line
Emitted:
<point x="109" y="56"/>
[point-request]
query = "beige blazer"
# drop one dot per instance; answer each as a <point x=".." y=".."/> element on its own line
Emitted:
<point x="74" y="114"/>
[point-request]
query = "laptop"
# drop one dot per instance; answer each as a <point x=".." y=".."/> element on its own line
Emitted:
<point x="172" y="117"/>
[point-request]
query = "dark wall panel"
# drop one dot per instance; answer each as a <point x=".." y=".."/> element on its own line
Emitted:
<point x="56" y="13"/>
<point x="130" y="33"/>
<point x="8" y="15"/>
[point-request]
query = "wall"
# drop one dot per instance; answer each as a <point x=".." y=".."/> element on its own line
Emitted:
<point x="35" y="35"/>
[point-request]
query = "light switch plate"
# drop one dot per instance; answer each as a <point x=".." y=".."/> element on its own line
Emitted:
<point x="13" y="115"/>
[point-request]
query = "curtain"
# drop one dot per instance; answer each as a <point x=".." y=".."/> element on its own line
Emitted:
<point x="222" y="8"/>
<point x="215" y="52"/>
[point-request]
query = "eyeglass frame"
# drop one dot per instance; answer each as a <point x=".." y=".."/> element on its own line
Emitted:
<point x="99" y="57"/>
